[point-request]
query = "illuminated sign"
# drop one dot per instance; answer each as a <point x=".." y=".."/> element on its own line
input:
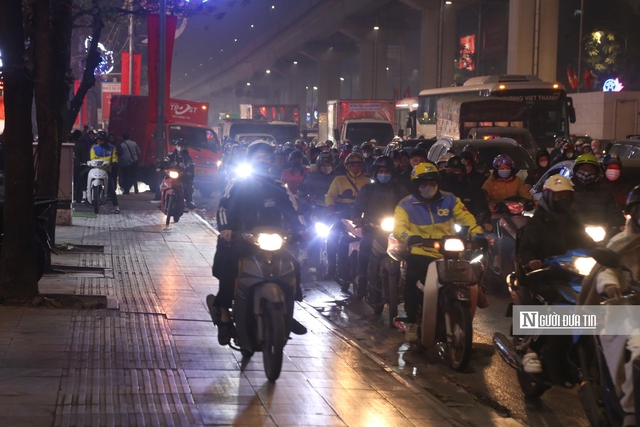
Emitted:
<point x="467" y="52"/>
<point x="612" y="85"/>
<point x="106" y="58"/>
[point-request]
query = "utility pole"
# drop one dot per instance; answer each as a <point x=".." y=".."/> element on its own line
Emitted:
<point x="131" y="48"/>
<point x="160" y="136"/>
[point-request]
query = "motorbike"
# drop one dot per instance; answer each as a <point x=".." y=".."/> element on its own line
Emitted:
<point x="314" y="255"/>
<point x="510" y="215"/>
<point x="382" y="271"/>
<point x="348" y="248"/>
<point x="265" y="291"/>
<point x="172" y="199"/>
<point x="97" y="184"/>
<point x="569" y="360"/>
<point x="450" y="295"/>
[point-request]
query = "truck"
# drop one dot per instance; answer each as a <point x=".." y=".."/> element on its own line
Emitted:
<point x="184" y="119"/>
<point x="360" y="120"/>
<point x="457" y="115"/>
<point x="271" y="112"/>
<point x="248" y="130"/>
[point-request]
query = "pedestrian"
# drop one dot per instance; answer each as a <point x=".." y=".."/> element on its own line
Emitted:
<point x="129" y="160"/>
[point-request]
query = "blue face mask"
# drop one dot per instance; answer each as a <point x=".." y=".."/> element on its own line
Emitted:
<point x="504" y="173"/>
<point x="384" y="178"/>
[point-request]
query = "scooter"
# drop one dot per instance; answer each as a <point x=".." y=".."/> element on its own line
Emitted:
<point x="348" y="248"/>
<point x="382" y="287"/>
<point x="172" y="199"/>
<point x="569" y="360"/>
<point x="97" y="184"/>
<point x="265" y="291"/>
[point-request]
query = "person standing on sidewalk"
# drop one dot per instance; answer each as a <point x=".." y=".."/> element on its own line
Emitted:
<point x="129" y="164"/>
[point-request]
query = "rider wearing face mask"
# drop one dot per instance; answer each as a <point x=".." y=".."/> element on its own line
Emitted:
<point x="426" y="213"/>
<point x="367" y="152"/>
<point x="375" y="202"/>
<point x="503" y="182"/>
<point x="552" y="231"/>
<point x="595" y="204"/>
<point x="293" y="176"/>
<point x="316" y="184"/>
<point x="543" y="163"/>
<point x="617" y="185"/>
<point x="568" y="152"/>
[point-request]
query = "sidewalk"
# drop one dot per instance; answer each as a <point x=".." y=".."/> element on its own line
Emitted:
<point x="155" y="361"/>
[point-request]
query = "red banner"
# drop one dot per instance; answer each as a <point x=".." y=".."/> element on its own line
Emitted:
<point x="137" y="62"/>
<point x="153" y="31"/>
<point x="81" y="118"/>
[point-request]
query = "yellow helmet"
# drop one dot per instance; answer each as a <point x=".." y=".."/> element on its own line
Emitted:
<point x="557" y="183"/>
<point x="425" y="170"/>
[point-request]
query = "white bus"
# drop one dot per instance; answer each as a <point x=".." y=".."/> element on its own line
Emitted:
<point x="404" y="119"/>
<point x="550" y="110"/>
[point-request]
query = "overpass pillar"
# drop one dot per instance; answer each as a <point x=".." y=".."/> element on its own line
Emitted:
<point x="438" y="44"/>
<point x="533" y="38"/>
<point x="329" y="70"/>
<point x="373" y="66"/>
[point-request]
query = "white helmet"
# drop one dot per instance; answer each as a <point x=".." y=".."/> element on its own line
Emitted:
<point x="557" y="183"/>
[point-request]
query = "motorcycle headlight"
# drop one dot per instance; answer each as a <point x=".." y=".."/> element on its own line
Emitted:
<point x="453" y="245"/>
<point x="584" y="265"/>
<point x="269" y="242"/>
<point x="321" y="229"/>
<point x="596" y="233"/>
<point x="387" y="224"/>
<point x="457" y="228"/>
<point x="218" y="163"/>
<point x="174" y="174"/>
<point x="244" y="170"/>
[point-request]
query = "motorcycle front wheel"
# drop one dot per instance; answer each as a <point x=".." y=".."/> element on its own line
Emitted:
<point x="461" y="338"/>
<point x="169" y="203"/>
<point x="95" y="198"/>
<point x="392" y="289"/>
<point x="274" y="340"/>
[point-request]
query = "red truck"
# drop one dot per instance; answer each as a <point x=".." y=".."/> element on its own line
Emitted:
<point x="184" y="119"/>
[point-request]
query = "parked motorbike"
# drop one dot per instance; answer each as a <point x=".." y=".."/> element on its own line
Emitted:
<point x="264" y="298"/>
<point x="97" y="184"/>
<point x="450" y="295"/>
<point x="569" y="360"/>
<point x="172" y="199"/>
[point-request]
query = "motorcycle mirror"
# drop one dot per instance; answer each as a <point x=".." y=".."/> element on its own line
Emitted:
<point x="463" y="232"/>
<point x="605" y="257"/>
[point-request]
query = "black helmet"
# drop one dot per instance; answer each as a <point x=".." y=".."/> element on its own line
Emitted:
<point x="259" y="145"/>
<point x="295" y="155"/>
<point x="324" y="158"/>
<point x="457" y="162"/>
<point x="423" y="145"/>
<point x="182" y="142"/>
<point x="384" y="161"/>
<point x="101" y="135"/>
<point x="471" y="149"/>
<point x="632" y="199"/>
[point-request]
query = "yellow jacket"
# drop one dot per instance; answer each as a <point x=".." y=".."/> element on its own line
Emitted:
<point x="500" y="189"/>
<point x="106" y="152"/>
<point x="433" y="220"/>
<point x="345" y="188"/>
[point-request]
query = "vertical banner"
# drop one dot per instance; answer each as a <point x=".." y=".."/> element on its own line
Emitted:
<point x="137" y="62"/>
<point x="81" y="118"/>
<point x="153" y="32"/>
<point x="108" y="89"/>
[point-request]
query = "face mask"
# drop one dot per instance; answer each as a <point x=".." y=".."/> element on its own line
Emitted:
<point x="326" y="169"/>
<point x="178" y="148"/>
<point x="366" y="155"/>
<point x="428" y="192"/>
<point x="586" y="177"/>
<point x="543" y="163"/>
<point x="569" y="154"/>
<point x="612" y="174"/>
<point x="504" y="173"/>
<point x="384" y="178"/>
<point x="452" y="176"/>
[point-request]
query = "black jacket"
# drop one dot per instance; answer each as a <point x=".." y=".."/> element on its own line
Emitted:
<point x="378" y="201"/>
<point x="594" y="204"/>
<point x="471" y="195"/>
<point x="182" y="159"/>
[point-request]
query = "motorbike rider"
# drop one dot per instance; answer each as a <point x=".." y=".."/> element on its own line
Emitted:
<point x="374" y="202"/>
<point x="611" y="282"/>
<point x="339" y="199"/>
<point x="543" y="164"/>
<point x="617" y="185"/>
<point x="279" y="164"/>
<point x="594" y="203"/>
<point x="473" y="175"/>
<point x="426" y="213"/>
<point x="104" y="151"/>
<point x="503" y="181"/>
<point x="454" y="181"/>
<point x="367" y="152"/>
<point x="416" y="156"/>
<point x="293" y="176"/>
<point x="181" y="158"/>
<point x="568" y="151"/>
<point x="442" y="161"/>
<point x="553" y="230"/>
<point x="316" y="183"/>
<point x="254" y="201"/>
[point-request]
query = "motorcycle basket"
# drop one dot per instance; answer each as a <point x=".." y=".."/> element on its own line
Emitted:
<point x="457" y="271"/>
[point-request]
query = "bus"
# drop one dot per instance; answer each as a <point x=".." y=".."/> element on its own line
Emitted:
<point x="405" y="116"/>
<point x="550" y="110"/>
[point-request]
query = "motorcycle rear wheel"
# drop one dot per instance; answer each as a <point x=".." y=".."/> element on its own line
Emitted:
<point x="459" y="344"/>
<point x="530" y="386"/>
<point x="392" y="288"/>
<point x="169" y="203"/>
<point x="274" y="340"/>
<point x="95" y="199"/>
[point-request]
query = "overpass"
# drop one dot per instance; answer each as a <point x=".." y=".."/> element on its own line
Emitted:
<point x="327" y="49"/>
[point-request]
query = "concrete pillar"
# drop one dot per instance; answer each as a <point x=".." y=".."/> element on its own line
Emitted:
<point x="429" y="45"/>
<point x="329" y="69"/>
<point x="373" y="66"/>
<point x="533" y="38"/>
<point x="450" y="46"/>
<point x="296" y="92"/>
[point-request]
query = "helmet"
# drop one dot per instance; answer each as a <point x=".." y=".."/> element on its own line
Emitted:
<point x="295" y="155"/>
<point x="426" y="170"/>
<point x="610" y="160"/>
<point x="632" y="199"/>
<point x="373" y="141"/>
<point x="468" y="157"/>
<point x="568" y="146"/>
<point x="344" y="154"/>
<point x="445" y="158"/>
<point x="471" y="149"/>
<point x="384" y="161"/>
<point x="396" y="139"/>
<point x="377" y="152"/>
<point x="423" y="145"/>
<point x="259" y="145"/>
<point x="328" y="143"/>
<point x="557" y="183"/>
<point x="368" y="145"/>
<point x="287" y="147"/>
<point x="354" y="158"/>
<point x="502" y="160"/>
<point x="324" y="158"/>
<point x="101" y="135"/>
<point x="457" y="162"/>
<point x="182" y="142"/>
<point x="586" y="158"/>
